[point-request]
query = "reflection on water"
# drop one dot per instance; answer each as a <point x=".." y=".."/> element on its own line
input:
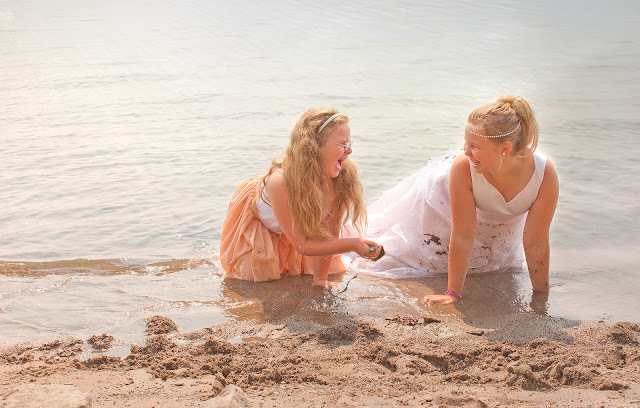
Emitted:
<point x="99" y="266"/>
<point x="82" y="298"/>
<point x="277" y="300"/>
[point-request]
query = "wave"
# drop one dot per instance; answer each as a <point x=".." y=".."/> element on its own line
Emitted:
<point x="99" y="266"/>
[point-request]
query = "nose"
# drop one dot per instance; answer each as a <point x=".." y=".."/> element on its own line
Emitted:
<point x="348" y="151"/>
<point x="466" y="149"/>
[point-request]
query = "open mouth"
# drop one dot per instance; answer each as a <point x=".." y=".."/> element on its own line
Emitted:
<point x="339" y="164"/>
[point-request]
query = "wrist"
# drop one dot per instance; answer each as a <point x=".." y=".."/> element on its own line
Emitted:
<point x="355" y="242"/>
<point x="452" y="293"/>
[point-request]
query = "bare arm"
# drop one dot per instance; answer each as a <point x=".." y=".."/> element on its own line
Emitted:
<point x="279" y="195"/>
<point x="463" y="229"/>
<point x="536" y="229"/>
<point x="323" y="263"/>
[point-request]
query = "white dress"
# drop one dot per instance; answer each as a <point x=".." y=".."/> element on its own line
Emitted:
<point x="266" y="214"/>
<point x="265" y="210"/>
<point x="413" y="223"/>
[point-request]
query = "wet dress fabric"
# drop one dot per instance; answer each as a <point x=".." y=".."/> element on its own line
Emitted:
<point x="413" y="223"/>
<point x="253" y="247"/>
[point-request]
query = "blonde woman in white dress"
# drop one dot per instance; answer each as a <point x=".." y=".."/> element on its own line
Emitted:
<point x="485" y="209"/>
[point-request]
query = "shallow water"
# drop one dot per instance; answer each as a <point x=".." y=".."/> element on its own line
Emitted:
<point x="125" y="128"/>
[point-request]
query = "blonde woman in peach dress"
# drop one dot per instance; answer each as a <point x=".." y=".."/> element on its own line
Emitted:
<point x="288" y="221"/>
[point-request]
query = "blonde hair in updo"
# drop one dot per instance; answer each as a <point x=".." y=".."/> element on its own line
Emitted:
<point x="302" y="170"/>
<point x="504" y="115"/>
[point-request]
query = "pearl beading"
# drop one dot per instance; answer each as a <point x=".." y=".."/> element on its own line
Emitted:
<point x="492" y="136"/>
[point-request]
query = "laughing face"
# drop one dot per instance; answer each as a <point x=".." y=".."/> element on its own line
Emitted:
<point x="332" y="152"/>
<point x="483" y="155"/>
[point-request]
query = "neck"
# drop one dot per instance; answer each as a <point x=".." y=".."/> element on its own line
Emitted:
<point x="327" y="183"/>
<point x="511" y="167"/>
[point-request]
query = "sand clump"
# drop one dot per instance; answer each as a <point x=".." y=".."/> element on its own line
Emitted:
<point x="101" y="343"/>
<point x="387" y="362"/>
<point x="160" y="325"/>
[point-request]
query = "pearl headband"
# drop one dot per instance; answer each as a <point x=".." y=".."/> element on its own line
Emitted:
<point x="328" y="121"/>
<point x="502" y="135"/>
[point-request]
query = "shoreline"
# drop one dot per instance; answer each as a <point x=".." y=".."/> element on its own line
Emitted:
<point x="512" y="360"/>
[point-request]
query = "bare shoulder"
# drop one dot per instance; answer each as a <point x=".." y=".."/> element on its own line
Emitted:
<point x="461" y="200"/>
<point x="460" y="171"/>
<point x="544" y="207"/>
<point x="550" y="172"/>
<point x="276" y="185"/>
<point x="550" y="185"/>
<point x="549" y="190"/>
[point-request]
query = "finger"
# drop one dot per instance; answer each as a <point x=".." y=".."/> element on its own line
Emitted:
<point x="379" y="253"/>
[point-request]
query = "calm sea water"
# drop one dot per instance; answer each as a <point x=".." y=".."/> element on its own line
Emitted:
<point x="126" y="126"/>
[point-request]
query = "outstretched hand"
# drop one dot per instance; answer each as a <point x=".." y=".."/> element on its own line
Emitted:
<point x="441" y="299"/>
<point x="368" y="249"/>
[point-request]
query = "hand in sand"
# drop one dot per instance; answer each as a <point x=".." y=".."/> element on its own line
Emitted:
<point x="442" y="299"/>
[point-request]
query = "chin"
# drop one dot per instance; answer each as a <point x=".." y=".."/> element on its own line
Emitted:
<point x="333" y="173"/>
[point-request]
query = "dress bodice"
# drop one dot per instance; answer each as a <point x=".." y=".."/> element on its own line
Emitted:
<point x="265" y="211"/>
<point x="491" y="205"/>
<point x="413" y="223"/>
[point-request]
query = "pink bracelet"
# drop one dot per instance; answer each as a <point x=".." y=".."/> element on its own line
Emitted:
<point x="454" y="294"/>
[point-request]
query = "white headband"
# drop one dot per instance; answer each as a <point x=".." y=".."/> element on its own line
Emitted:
<point x="502" y="135"/>
<point x="328" y="121"/>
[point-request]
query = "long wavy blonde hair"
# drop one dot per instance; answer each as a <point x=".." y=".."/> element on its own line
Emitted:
<point x="504" y="115"/>
<point x="302" y="170"/>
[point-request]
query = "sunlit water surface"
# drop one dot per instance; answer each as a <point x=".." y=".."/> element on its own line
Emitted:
<point x="125" y="128"/>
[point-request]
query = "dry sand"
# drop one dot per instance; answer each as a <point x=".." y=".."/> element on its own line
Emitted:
<point x="523" y="360"/>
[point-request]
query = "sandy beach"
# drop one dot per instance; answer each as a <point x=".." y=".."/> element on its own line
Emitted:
<point x="521" y="360"/>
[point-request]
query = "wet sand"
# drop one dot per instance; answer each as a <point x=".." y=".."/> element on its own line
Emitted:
<point x="348" y="361"/>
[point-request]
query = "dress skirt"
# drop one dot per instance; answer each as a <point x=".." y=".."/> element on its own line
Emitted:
<point x="413" y="223"/>
<point x="250" y="251"/>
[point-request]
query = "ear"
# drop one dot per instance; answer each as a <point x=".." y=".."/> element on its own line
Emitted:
<point x="507" y="148"/>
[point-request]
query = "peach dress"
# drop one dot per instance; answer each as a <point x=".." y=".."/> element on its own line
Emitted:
<point x="250" y="250"/>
